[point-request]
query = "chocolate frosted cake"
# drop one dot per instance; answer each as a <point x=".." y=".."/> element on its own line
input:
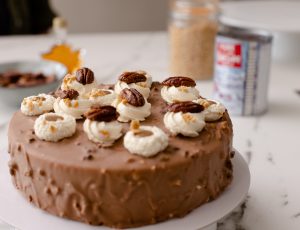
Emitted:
<point x="85" y="162"/>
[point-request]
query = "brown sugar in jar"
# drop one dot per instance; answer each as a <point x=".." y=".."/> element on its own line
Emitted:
<point x="192" y="30"/>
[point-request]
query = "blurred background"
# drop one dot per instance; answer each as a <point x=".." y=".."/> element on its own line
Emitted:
<point x="113" y="15"/>
<point x="35" y="16"/>
<point x="89" y="16"/>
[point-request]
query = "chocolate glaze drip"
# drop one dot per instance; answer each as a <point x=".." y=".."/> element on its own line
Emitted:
<point x="112" y="186"/>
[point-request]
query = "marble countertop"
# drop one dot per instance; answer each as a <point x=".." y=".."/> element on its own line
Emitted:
<point x="270" y="143"/>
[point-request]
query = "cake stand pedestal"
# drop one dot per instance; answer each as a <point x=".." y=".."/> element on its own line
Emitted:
<point x="16" y="211"/>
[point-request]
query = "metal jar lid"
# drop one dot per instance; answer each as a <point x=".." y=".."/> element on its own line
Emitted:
<point x="250" y="34"/>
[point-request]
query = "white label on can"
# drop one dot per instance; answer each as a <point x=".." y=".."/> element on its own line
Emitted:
<point x="230" y="73"/>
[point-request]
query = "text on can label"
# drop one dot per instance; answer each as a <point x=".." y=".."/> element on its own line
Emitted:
<point x="229" y="55"/>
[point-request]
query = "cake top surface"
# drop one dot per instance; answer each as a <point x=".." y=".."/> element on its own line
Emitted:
<point x="79" y="151"/>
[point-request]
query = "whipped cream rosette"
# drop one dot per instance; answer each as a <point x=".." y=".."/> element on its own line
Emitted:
<point x="101" y="125"/>
<point x="213" y="110"/>
<point x="102" y="96"/>
<point x="131" y="105"/>
<point x="186" y="118"/>
<point x="83" y="81"/>
<point x="138" y="80"/>
<point x="69" y="102"/>
<point x="36" y="105"/>
<point x="145" y="141"/>
<point x="176" y="89"/>
<point x="54" y="127"/>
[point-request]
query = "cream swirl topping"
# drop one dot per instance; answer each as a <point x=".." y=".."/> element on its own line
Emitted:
<point x="141" y="85"/>
<point x="70" y="82"/>
<point x="129" y="112"/>
<point x="104" y="133"/>
<point x="101" y="125"/>
<point x="187" y="124"/>
<point x="186" y="118"/>
<point x="131" y="105"/>
<point x="102" y="96"/>
<point x="145" y="141"/>
<point x="213" y="110"/>
<point x="173" y="94"/>
<point x="54" y="127"/>
<point x="74" y="107"/>
<point x="36" y="105"/>
<point x="177" y="89"/>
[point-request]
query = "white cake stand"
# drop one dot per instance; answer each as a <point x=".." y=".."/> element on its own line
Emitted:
<point x="16" y="211"/>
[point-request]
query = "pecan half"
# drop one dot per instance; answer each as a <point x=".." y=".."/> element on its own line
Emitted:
<point x="102" y="113"/>
<point x="70" y="93"/>
<point x="132" y="97"/>
<point x="132" y="77"/>
<point x="179" y="81"/>
<point x="185" y="107"/>
<point x="84" y="76"/>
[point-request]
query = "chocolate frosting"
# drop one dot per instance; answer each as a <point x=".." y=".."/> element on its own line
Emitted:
<point x="76" y="179"/>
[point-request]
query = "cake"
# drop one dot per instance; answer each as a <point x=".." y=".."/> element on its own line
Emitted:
<point x="145" y="172"/>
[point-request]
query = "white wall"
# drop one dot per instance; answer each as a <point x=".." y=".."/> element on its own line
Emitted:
<point x="86" y="16"/>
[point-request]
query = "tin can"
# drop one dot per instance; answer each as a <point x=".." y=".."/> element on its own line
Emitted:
<point x="241" y="73"/>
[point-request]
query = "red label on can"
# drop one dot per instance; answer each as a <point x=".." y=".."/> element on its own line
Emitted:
<point x="229" y="55"/>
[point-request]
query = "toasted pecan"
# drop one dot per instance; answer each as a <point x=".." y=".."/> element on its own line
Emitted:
<point x="132" y="97"/>
<point x="185" y="107"/>
<point x="132" y="77"/>
<point x="179" y="81"/>
<point x="102" y="113"/>
<point x="84" y="76"/>
<point x="70" y="94"/>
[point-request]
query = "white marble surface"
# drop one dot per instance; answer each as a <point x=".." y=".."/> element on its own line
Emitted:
<point x="270" y="143"/>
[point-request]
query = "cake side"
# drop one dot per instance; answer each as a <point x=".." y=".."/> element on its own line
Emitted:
<point x="121" y="198"/>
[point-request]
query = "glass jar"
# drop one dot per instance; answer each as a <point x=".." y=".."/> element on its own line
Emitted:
<point x="192" y="30"/>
